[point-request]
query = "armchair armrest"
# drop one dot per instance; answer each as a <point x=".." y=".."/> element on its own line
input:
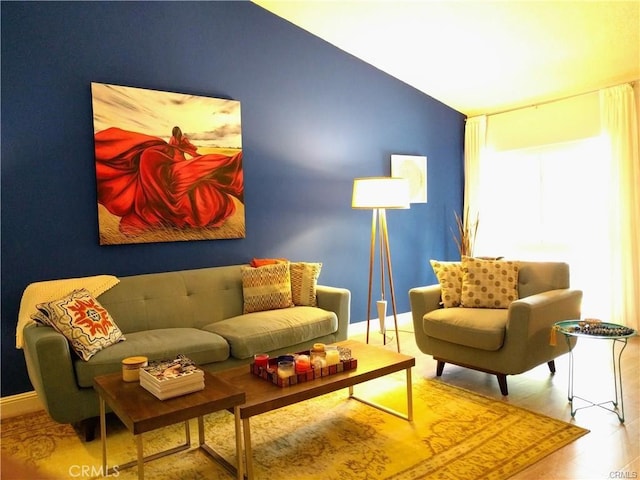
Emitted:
<point x="542" y="310"/>
<point x="423" y="300"/>
<point x="337" y="300"/>
<point x="529" y="327"/>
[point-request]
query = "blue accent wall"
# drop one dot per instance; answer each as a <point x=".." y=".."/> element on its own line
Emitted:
<point x="313" y="118"/>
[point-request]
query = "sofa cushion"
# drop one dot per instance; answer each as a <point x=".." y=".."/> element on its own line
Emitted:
<point x="200" y="346"/>
<point x="488" y="283"/>
<point x="82" y="320"/>
<point x="449" y="275"/>
<point x="266" y="288"/>
<point x="266" y="331"/>
<point x="304" y="279"/>
<point x="473" y="327"/>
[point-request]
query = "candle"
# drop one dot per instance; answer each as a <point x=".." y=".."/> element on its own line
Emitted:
<point x="333" y="356"/>
<point x="286" y="369"/>
<point x="303" y="363"/>
<point x="261" y="360"/>
<point x="318" y="359"/>
<point x="131" y="368"/>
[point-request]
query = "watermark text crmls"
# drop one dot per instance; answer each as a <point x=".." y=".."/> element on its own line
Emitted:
<point x="623" y="475"/>
<point x="92" y="471"/>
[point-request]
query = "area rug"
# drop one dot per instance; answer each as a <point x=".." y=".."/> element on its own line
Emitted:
<point x="455" y="434"/>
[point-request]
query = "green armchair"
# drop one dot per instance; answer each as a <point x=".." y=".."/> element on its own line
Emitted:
<point x="499" y="341"/>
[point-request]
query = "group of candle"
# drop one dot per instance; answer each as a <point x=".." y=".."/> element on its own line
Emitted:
<point x="324" y="355"/>
<point x="320" y="356"/>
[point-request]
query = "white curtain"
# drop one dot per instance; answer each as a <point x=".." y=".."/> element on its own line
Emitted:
<point x="475" y="135"/>
<point x="619" y="123"/>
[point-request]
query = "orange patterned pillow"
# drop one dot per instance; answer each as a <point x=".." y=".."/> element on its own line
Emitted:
<point x="83" y="320"/>
<point x="261" y="262"/>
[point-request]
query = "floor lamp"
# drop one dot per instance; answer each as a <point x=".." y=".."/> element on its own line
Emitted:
<point x="379" y="194"/>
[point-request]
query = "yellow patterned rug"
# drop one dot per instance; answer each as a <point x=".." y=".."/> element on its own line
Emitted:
<point x="455" y="434"/>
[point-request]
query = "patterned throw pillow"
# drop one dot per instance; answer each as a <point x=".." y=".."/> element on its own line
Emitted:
<point x="266" y="288"/>
<point x="488" y="283"/>
<point x="449" y="275"/>
<point x="80" y="317"/>
<point x="304" y="279"/>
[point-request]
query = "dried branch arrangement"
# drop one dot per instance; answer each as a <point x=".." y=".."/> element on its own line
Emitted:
<point x="466" y="234"/>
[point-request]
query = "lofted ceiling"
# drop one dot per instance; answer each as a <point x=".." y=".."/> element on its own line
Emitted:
<point x="482" y="56"/>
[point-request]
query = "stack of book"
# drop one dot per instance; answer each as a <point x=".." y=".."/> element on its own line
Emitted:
<point x="172" y="378"/>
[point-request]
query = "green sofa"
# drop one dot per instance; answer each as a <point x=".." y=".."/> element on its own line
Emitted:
<point x="504" y="341"/>
<point x="197" y="312"/>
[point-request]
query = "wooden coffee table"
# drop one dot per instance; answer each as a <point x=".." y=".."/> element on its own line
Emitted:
<point x="142" y="412"/>
<point x="262" y="396"/>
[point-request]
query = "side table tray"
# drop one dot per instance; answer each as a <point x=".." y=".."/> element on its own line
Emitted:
<point x="619" y="335"/>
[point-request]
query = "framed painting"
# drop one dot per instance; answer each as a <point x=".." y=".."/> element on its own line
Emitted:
<point x="414" y="169"/>
<point x="168" y="166"/>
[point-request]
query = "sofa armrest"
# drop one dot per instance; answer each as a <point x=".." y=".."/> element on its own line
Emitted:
<point x="51" y="372"/>
<point x="337" y="300"/>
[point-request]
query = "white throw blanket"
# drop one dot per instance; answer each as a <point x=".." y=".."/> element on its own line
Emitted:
<point x="50" y="290"/>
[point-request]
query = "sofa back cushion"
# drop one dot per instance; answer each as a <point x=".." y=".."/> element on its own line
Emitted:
<point x="186" y="298"/>
<point x="537" y="277"/>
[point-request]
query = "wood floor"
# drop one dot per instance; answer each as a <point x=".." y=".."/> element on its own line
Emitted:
<point x="610" y="451"/>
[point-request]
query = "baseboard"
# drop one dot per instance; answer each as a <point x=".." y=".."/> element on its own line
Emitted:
<point x="361" y="327"/>
<point x="19" y="404"/>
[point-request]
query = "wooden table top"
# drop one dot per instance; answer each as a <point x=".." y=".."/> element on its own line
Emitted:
<point x="263" y="396"/>
<point x="141" y="411"/>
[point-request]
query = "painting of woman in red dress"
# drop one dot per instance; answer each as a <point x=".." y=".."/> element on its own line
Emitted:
<point x="155" y="189"/>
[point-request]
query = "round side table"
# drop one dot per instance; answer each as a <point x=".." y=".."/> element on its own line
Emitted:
<point x="618" y="334"/>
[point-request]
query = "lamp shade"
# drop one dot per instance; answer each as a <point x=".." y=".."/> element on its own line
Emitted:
<point x="380" y="192"/>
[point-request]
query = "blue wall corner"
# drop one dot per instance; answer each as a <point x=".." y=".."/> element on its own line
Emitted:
<point x="313" y="118"/>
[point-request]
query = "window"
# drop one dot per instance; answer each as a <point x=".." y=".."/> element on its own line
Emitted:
<point x="550" y="203"/>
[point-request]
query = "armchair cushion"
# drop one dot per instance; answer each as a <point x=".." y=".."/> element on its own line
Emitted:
<point x="476" y="328"/>
<point x="488" y="283"/>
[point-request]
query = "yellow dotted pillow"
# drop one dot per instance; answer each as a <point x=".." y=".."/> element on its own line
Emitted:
<point x="488" y="283"/>
<point x="449" y="275"/>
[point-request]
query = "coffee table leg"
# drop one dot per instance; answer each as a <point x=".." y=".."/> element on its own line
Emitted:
<point x="140" y="456"/>
<point x="235" y="469"/>
<point x="408" y="416"/>
<point x="409" y="397"/>
<point x="200" y="431"/>
<point x="246" y="427"/>
<point x="103" y="434"/>
<point x="239" y="459"/>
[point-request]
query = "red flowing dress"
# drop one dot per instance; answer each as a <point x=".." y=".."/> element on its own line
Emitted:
<point x="150" y="183"/>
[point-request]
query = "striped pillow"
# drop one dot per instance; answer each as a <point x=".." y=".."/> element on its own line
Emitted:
<point x="304" y="279"/>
